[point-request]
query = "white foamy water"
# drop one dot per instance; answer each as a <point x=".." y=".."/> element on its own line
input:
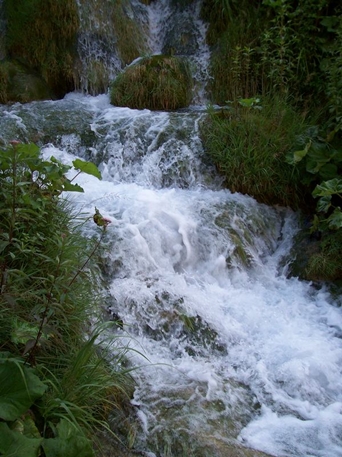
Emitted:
<point x="236" y="351"/>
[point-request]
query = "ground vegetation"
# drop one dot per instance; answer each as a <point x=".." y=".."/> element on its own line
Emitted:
<point x="59" y="384"/>
<point x="276" y="76"/>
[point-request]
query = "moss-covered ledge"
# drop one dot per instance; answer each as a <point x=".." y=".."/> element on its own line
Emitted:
<point x="20" y="84"/>
<point x="157" y="83"/>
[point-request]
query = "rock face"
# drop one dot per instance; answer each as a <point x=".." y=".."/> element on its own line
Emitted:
<point x="83" y="45"/>
<point x="18" y="84"/>
<point x="67" y="45"/>
<point x="157" y="83"/>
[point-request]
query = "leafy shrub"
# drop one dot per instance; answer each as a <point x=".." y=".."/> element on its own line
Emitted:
<point x="59" y="385"/>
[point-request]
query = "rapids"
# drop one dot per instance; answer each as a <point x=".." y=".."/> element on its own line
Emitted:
<point x="231" y="351"/>
<point x="232" y="356"/>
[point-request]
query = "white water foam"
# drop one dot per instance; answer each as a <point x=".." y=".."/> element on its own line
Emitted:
<point x="278" y="338"/>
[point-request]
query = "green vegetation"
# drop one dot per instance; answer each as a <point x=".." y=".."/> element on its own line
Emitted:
<point x="59" y="385"/>
<point x="41" y="35"/>
<point x="157" y="83"/>
<point x="131" y="40"/>
<point x="277" y="65"/>
<point x="20" y="85"/>
<point x="249" y="145"/>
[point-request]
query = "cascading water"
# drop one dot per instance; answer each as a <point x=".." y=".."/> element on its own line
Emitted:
<point x="235" y="357"/>
<point x="166" y="28"/>
<point x="174" y="28"/>
<point x="238" y="354"/>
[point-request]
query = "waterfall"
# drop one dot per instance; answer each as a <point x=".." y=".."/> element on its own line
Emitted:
<point x="166" y="28"/>
<point x="230" y="353"/>
<point x="96" y="46"/>
<point x="175" y="28"/>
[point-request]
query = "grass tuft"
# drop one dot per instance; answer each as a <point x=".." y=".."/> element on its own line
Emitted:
<point x="249" y="146"/>
<point x="156" y="83"/>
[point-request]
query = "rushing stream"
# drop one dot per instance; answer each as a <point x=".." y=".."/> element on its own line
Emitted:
<point x="233" y="354"/>
<point x="232" y="351"/>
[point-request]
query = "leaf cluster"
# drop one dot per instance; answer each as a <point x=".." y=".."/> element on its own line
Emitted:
<point x="320" y="165"/>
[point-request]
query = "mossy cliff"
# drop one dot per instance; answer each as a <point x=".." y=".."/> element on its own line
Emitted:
<point x="110" y="37"/>
<point x="41" y="36"/>
<point x="52" y="47"/>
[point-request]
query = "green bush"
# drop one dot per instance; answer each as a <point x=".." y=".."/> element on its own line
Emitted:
<point x="157" y="83"/>
<point x="248" y="143"/>
<point x="63" y="384"/>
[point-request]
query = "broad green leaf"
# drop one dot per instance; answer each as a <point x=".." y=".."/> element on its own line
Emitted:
<point x="298" y="155"/>
<point x="22" y="331"/>
<point x="67" y="186"/>
<point x="315" y="224"/>
<point x="324" y="204"/>
<point x="28" y="151"/>
<point x="87" y="167"/>
<point x="331" y="22"/>
<point x="15" y="444"/>
<point x="328" y="171"/>
<point x="248" y="102"/>
<point x="61" y="165"/>
<point x="312" y="166"/>
<point x="70" y="442"/>
<point x="26" y="426"/>
<point x="3" y="245"/>
<point x="19" y="388"/>
<point x="335" y="219"/>
<point x="331" y="187"/>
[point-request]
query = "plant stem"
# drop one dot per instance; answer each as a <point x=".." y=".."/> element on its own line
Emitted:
<point x="89" y="257"/>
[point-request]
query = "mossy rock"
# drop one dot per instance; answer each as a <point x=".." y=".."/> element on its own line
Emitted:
<point x="18" y="84"/>
<point x="156" y="83"/>
<point x="317" y="257"/>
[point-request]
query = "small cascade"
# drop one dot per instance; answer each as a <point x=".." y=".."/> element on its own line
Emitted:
<point x="101" y="57"/>
<point x="159" y="18"/>
<point x="96" y="47"/>
<point x="163" y="27"/>
<point x="177" y="30"/>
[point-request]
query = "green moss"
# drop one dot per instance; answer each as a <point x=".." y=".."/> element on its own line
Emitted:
<point x="42" y="35"/>
<point x="131" y="39"/>
<point x="18" y="84"/>
<point x="157" y="83"/>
